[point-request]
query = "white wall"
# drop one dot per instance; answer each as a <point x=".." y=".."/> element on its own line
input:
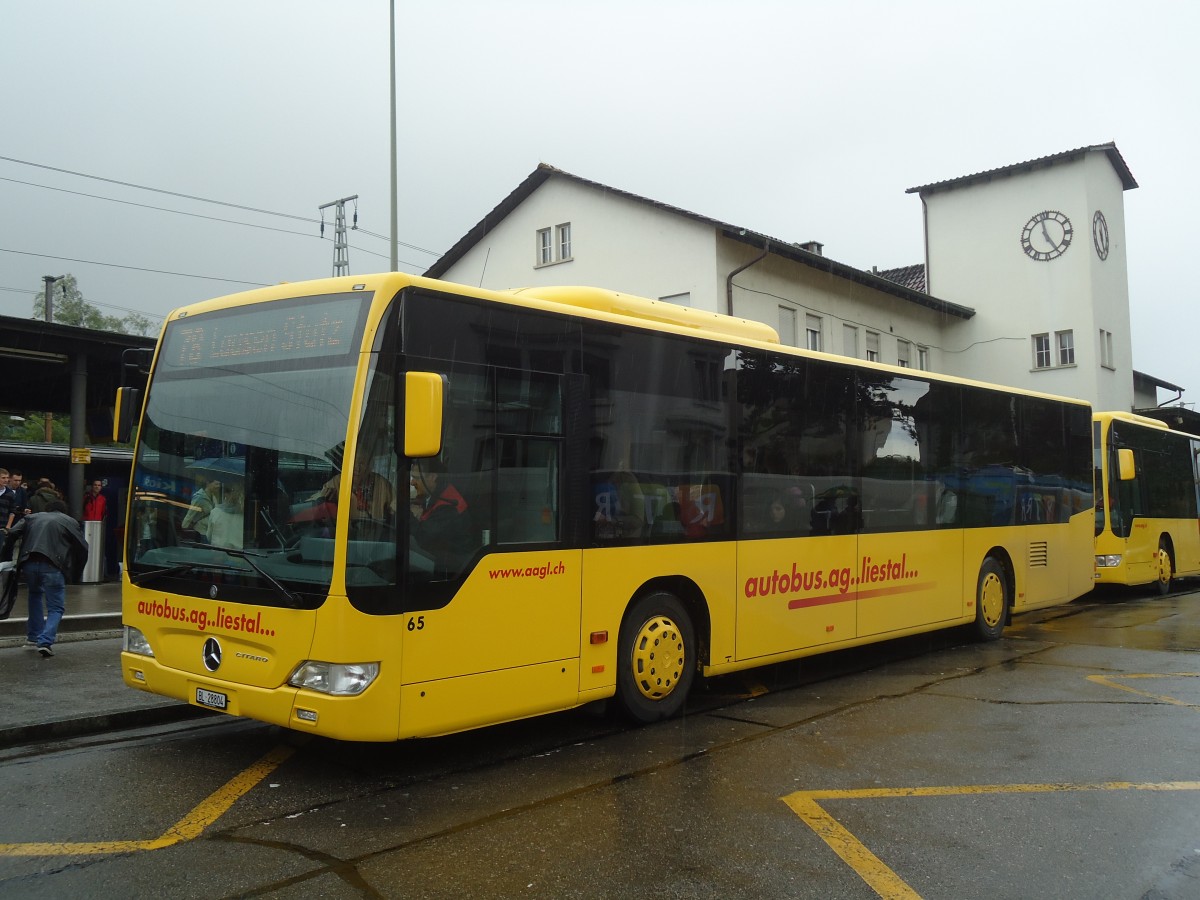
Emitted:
<point x="616" y="243"/>
<point x="760" y="290"/>
<point x="975" y="258"/>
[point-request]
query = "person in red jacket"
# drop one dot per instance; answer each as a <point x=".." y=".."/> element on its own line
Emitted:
<point x="439" y="524"/>
<point x="94" y="503"/>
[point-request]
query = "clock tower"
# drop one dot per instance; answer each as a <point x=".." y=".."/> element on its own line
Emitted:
<point x="1038" y="250"/>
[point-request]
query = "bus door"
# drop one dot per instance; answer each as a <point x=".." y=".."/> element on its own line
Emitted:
<point x="909" y="567"/>
<point x="492" y="628"/>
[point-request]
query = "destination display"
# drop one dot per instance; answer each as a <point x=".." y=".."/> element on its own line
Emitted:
<point x="328" y="326"/>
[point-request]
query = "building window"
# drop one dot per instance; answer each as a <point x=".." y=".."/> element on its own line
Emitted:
<point x="787" y="326"/>
<point x="684" y="299"/>
<point x="873" y="346"/>
<point x="812" y="332"/>
<point x="903" y="351"/>
<point x="850" y="341"/>
<point x="1106" y="349"/>
<point x="545" y="250"/>
<point x="1041" y="351"/>
<point x="923" y="358"/>
<point x="554" y="245"/>
<point x="1066" y="348"/>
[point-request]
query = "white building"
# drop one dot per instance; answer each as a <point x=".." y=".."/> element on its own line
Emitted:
<point x="1024" y="283"/>
<point x="1038" y="250"/>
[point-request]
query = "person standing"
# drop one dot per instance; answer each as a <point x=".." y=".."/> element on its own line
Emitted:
<point x="52" y="549"/>
<point x="45" y="494"/>
<point x="204" y="499"/>
<point x="8" y="500"/>
<point x="16" y="483"/>
<point x="94" y="504"/>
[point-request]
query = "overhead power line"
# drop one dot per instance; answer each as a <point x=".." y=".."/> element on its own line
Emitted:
<point x="92" y="262"/>
<point x="142" y="187"/>
<point x="125" y="309"/>
<point x="180" y="212"/>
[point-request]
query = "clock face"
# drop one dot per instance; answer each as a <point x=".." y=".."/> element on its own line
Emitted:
<point x="1046" y="235"/>
<point x="1100" y="234"/>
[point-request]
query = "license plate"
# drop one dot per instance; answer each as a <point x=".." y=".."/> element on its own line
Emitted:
<point x="211" y="699"/>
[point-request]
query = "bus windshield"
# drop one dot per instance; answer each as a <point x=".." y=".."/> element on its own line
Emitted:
<point x="243" y="434"/>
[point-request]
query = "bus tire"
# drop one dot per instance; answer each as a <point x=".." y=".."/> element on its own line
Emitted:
<point x="1166" y="569"/>
<point x="656" y="658"/>
<point x="991" y="600"/>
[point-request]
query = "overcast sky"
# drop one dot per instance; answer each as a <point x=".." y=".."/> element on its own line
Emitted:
<point x="806" y="121"/>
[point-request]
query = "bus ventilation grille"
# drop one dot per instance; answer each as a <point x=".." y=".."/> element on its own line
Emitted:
<point x="1039" y="554"/>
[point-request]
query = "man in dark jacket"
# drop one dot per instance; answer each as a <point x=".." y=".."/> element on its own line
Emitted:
<point x="52" y="549"/>
<point x="40" y="499"/>
<point x="16" y="483"/>
<point x="8" y="500"/>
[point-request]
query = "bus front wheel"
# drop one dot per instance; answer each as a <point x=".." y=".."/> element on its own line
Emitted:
<point x="1166" y="569"/>
<point x="991" y="600"/>
<point x="655" y="658"/>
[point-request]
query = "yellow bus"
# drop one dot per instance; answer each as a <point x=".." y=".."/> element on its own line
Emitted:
<point x="1147" y="479"/>
<point x="386" y="507"/>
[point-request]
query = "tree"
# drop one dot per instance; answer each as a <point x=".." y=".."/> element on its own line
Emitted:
<point x="70" y="308"/>
<point x="32" y="428"/>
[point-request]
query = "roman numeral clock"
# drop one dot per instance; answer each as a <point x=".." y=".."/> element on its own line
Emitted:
<point x="1046" y="235"/>
<point x="1100" y="235"/>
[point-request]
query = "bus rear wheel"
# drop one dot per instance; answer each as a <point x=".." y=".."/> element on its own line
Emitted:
<point x="1166" y="569"/>
<point x="655" y="658"/>
<point x="991" y="600"/>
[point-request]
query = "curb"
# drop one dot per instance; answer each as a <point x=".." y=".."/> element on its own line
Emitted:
<point x="70" y="728"/>
<point x="98" y="622"/>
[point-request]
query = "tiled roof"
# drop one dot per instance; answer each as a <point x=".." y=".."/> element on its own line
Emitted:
<point x="1043" y="162"/>
<point x="738" y="233"/>
<point x="912" y="277"/>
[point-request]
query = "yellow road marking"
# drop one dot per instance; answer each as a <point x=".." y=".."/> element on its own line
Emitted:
<point x="1107" y="681"/>
<point x="889" y="885"/>
<point x="188" y="828"/>
<point x="871" y="868"/>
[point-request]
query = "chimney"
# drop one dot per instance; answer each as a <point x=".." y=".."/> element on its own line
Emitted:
<point x="812" y="247"/>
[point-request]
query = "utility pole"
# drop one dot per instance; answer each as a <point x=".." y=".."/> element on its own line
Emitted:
<point x="341" y="249"/>
<point x="50" y="282"/>
<point x="392" y="88"/>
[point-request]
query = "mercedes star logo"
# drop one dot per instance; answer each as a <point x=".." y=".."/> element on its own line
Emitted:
<point x="212" y="654"/>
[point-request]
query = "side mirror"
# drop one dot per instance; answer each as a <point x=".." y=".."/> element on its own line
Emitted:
<point x="423" y="399"/>
<point x="129" y="406"/>
<point x="1126" y="470"/>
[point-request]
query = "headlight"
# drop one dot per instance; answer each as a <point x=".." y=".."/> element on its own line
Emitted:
<point x="135" y="642"/>
<point x="1108" y="562"/>
<point x="338" y="679"/>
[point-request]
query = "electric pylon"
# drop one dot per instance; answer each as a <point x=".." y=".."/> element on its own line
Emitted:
<point x="341" y="248"/>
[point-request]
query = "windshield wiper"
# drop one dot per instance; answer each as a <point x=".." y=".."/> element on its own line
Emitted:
<point x="143" y="577"/>
<point x="180" y="569"/>
<point x="283" y="592"/>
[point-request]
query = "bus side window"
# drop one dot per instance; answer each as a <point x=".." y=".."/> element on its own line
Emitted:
<point x="701" y="509"/>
